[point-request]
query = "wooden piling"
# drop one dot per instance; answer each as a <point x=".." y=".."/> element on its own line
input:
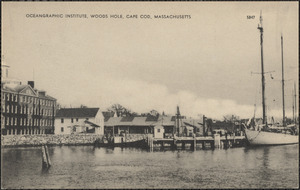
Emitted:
<point x="47" y="155"/>
<point x="195" y="143"/>
<point x="46" y="163"/>
<point x="182" y="145"/>
<point x="174" y="145"/>
<point x="212" y="145"/>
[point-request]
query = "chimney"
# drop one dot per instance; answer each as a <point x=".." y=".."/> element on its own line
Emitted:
<point x="31" y="83"/>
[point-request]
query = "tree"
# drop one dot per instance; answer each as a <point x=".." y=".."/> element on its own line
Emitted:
<point x="121" y="111"/>
<point x="231" y="118"/>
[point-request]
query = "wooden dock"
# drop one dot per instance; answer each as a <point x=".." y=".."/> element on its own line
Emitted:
<point x="194" y="143"/>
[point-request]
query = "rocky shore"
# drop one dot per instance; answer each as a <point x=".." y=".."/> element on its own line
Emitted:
<point x="38" y="140"/>
<point x="49" y="139"/>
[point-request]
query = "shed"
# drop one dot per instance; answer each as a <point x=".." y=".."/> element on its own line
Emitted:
<point x="159" y="131"/>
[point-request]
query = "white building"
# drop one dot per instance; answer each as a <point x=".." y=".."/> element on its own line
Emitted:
<point x="79" y="120"/>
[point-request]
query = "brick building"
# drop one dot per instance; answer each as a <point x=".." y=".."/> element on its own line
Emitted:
<point x="24" y="109"/>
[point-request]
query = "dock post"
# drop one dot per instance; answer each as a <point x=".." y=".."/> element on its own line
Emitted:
<point x="217" y="140"/>
<point x="195" y="143"/>
<point x="151" y="143"/>
<point x="174" y="145"/>
<point x="48" y="156"/>
<point x="182" y="145"/>
<point x="45" y="158"/>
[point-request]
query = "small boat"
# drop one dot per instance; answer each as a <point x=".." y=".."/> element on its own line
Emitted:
<point x="264" y="134"/>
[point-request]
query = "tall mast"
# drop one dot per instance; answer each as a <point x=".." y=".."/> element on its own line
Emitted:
<point x="283" y="110"/>
<point x="293" y="107"/>
<point x="260" y="28"/>
<point x="295" y="96"/>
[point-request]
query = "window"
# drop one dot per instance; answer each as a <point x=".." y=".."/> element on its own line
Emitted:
<point x="72" y="120"/>
<point x="76" y="119"/>
<point x="158" y="130"/>
<point x="15" y="121"/>
<point x="7" y="108"/>
<point x="7" y="121"/>
<point x="16" y="109"/>
<point x="62" y="129"/>
<point x="62" y="120"/>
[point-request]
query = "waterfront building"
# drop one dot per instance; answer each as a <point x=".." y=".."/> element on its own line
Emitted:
<point x="79" y="120"/>
<point x="156" y="125"/>
<point x="25" y="109"/>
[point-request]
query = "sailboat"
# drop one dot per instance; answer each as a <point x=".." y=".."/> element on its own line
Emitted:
<point x="261" y="135"/>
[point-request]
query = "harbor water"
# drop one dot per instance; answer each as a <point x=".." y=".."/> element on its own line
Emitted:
<point x="90" y="167"/>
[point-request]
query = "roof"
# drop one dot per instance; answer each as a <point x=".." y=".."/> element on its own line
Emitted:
<point x="139" y="121"/>
<point x="19" y="88"/>
<point x="14" y="88"/>
<point x="107" y="115"/>
<point x="193" y="122"/>
<point x="77" y="112"/>
<point x="91" y="123"/>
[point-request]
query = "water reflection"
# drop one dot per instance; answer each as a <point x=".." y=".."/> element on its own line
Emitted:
<point x="90" y="167"/>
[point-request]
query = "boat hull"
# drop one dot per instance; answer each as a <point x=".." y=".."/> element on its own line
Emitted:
<point x="269" y="138"/>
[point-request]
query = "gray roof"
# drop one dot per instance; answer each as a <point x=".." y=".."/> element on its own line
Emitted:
<point x="77" y="112"/>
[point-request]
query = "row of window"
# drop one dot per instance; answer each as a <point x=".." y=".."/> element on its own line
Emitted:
<point x="62" y="120"/>
<point x="27" y="110"/>
<point x="27" y="99"/>
<point x="27" y="122"/>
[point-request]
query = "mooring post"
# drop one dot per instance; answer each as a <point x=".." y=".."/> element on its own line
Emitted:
<point x="45" y="164"/>
<point x="203" y="144"/>
<point x="47" y="156"/>
<point x="195" y="142"/>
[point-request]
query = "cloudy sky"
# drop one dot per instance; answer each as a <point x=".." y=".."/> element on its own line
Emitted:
<point x="203" y="64"/>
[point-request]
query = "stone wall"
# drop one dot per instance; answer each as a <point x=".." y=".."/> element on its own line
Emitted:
<point x="37" y="140"/>
<point x="135" y="137"/>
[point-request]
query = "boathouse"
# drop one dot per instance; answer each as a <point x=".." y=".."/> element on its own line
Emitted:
<point x="162" y="126"/>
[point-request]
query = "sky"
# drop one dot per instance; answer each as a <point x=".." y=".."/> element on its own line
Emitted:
<point x="202" y="64"/>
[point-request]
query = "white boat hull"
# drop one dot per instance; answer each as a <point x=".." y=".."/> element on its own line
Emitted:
<point x="270" y="138"/>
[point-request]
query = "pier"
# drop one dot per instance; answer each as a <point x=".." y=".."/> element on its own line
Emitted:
<point x="194" y="143"/>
